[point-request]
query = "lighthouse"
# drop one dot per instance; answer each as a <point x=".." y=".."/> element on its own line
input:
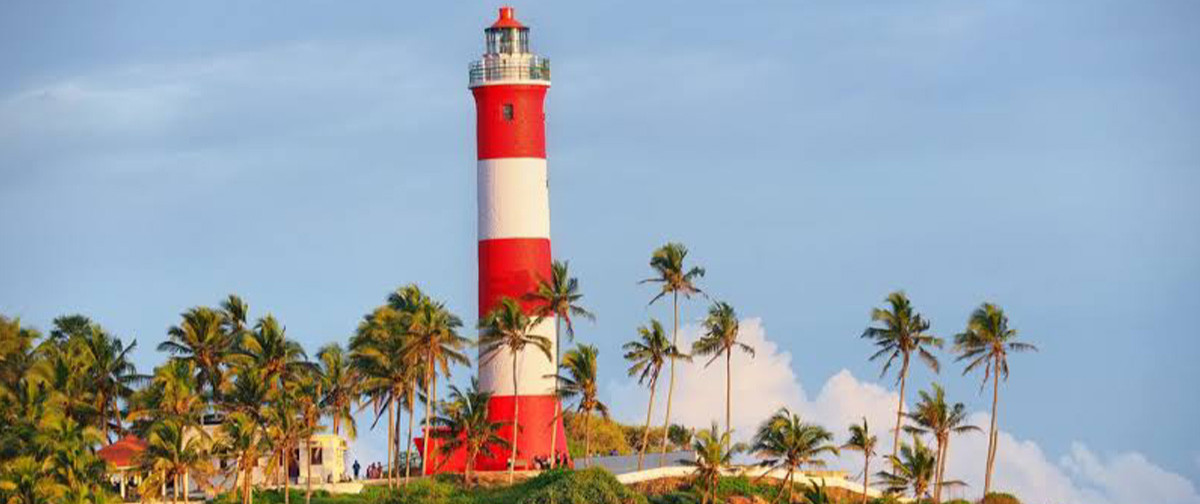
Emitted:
<point x="509" y="84"/>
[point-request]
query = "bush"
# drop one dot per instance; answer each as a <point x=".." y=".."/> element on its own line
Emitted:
<point x="425" y="491"/>
<point x="589" y="486"/>
<point x="674" y="498"/>
<point x="1000" y="498"/>
<point x="957" y="501"/>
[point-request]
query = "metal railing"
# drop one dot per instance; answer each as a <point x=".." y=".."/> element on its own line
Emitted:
<point x="535" y="68"/>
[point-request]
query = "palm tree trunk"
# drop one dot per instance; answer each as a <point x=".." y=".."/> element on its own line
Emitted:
<point x="512" y="464"/>
<point x="408" y="443"/>
<point x="991" y="460"/>
<point x="390" y="432"/>
<point x="308" y="470"/>
<point x="662" y="460"/>
<point x="174" y="488"/>
<point x="429" y="373"/>
<point x="646" y="432"/>
<point x="246" y="495"/>
<point x="728" y="394"/>
<point x="899" y="408"/>
<point x="396" y="442"/>
<point x="185" y="487"/>
<point x="941" y="472"/>
<point x="287" y="475"/>
<point x="557" y="406"/>
<point x="587" y="437"/>
<point x="937" y="473"/>
<point x="866" y="476"/>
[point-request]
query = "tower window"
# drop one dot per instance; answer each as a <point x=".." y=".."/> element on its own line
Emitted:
<point x="508" y="112"/>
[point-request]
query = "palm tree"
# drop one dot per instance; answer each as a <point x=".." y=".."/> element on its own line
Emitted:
<point x="64" y="448"/>
<point x="285" y="428"/>
<point x="270" y="350"/>
<point x="241" y="440"/>
<point x="986" y="342"/>
<point x="171" y="453"/>
<point x="913" y="469"/>
<point x="341" y="386"/>
<point x="578" y="381"/>
<point x="379" y="355"/>
<point x="816" y="494"/>
<point x="433" y="341"/>
<point x="508" y="328"/>
<point x="112" y="377"/>
<point x="466" y="426"/>
<point x="902" y="332"/>
<point x="309" y="393"/>
<point x="786" y="442"/>
<point x="173" y="394"/>
<point x="861" y="440"/>
<point x="720" y="338"/>
<point x="713" y="454"/>
<point x="676" y="279"/>
<point x="646" y="359"/>
<point x="202" y="340"/>
<point x="935" y="417"/>
<point x="557" y="298"/>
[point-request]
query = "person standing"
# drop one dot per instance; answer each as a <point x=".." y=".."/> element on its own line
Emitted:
<point x="356" y="467"/>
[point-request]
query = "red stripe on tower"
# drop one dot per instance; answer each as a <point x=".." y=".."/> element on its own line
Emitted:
<point x="509" y="84"/>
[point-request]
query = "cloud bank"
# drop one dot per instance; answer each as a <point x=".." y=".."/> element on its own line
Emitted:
<point x="767" y="382"/>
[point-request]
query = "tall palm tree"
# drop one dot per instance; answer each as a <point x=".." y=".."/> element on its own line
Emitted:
<point x="986" y="343"/>
<point x="172" y="454"/>
<point x="901" y="333"/>
<point x="714" y="453"/>
<point x="309" y="391"/>
<point x="507" y="328"/>
<point x="433" y="341"/>
<point x="285" y="428"/>
<point x="202" y="340"/>
<point x="673" y="278"/>
<point x="861" y="440"/>
<point x="379" y="352"/>
<point x="913" y="470"/>
<point x="247" y="408"/>
<point x="174" y="394"/>
<point x="340" y="383"/>
<point x="557" y="297"/>
<point x="786" y="442"/>
<point x="112" y="377"/>
<point x="466" y="426"/>
<point x="64" y="448"/>
<point x="647" y="358"/>
<point x="933" y="416"/>
<point x="578" y="382"/>
<point x="721" y="338"/>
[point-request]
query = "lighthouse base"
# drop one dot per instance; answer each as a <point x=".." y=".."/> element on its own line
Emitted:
<point x="536" y="422"/>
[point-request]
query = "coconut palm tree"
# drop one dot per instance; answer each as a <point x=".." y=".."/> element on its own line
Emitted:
<point x="174" y="394"/>
<point x="466" y="426"/>
<point x="241" y="440"/>
<point x="507" y="328"/>
<point x="433" y="341"/>
<point x="986" y="343"/>
<point x="202" y="340"/>
<point x="721" y="338"/>
<point x="64" y="448"/>
<point x="268" y="349"/>
<point x="557" y="297"/>
<point x="933" y="416"/>
<point x="285" y="429"/>
<point x="861" y="440"/>
<point x="310" y="389"/>
<point x="578" y="382"/>
<point x="173" y="454"/>
<point x="379" y="356"/>
<point x="902" y="332"/>
<point x="673" y="278"/>
<point x="912" y="470"/>
<point x="341" y="387"/>
<point x="112" y="377"/>
<point x="714" y="453"/>
<point x="647" y="358"/>
<point x="785" y="442"/>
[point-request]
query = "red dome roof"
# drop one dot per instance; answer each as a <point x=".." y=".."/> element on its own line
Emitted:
<point x="507" y="19"/>
<point x="123" y="453"/>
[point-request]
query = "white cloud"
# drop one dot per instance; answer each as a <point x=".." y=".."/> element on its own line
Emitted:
<point x="767" y="382"/>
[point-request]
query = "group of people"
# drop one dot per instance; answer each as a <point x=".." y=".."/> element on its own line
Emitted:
<point x="374" y="471"/>
<point x="543" y="462"/>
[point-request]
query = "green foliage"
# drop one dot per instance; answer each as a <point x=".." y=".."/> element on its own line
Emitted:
<point x="1000" y="498"/>
<point x="429" y="491"/>
<point x="589" y="486"/>
<point x="957" y="501"/>
<point x="607" y="435"/>
<point x="674" y="498"/>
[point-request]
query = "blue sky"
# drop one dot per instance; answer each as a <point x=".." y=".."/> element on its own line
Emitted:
<point x="311" y="156"/>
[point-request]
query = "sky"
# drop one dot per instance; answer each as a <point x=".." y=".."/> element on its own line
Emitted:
<point x="813" y="155"/>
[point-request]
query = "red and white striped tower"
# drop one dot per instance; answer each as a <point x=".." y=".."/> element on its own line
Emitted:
<point x="509" y="84"/>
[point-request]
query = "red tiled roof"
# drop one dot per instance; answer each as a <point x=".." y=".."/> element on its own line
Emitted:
<point x="123" y="453"/>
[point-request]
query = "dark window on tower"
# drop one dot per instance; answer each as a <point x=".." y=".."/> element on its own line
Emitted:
<point x="508" y="112"/>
